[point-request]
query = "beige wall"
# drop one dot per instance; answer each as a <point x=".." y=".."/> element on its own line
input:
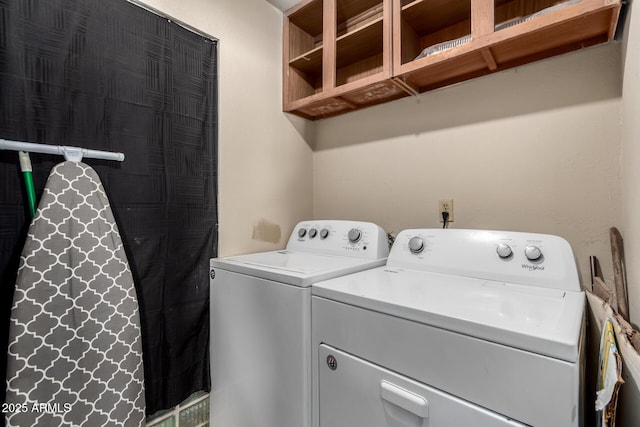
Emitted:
<point x="265" y="165"/>
<point x="533" y="149"/>
<point x="631" y="160"/>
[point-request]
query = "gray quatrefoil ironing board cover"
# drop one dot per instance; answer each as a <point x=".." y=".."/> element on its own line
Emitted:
<point x="75" y="353"/>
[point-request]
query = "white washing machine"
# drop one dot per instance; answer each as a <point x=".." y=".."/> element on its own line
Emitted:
<point x="461" y="328"/>
<point x="261" y="321"/>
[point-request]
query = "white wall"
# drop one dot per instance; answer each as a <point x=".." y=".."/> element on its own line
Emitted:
<point x="265" y="180"/>
<point x="631" y="160"/>
<point x="530" y="149"/>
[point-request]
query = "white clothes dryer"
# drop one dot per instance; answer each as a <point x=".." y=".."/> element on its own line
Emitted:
<point x="460" y="328"/>
<point x="261" y="321"/>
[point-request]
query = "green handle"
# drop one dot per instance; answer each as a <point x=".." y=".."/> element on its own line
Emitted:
<point x="31" y="192"/>
<point x="25" y="166"/>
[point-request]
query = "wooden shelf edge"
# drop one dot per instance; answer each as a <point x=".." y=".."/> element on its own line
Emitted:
<point x="348" y="87"/>
<point x="410" y="5"/>
<point x="440" y="57"/>
<point x="352" y="23"/>
<point x="300" y="103"/>
<point x="354" y="33"/>
<point x="336" y="92"/>
<point x="309" y="62"/>
<point x="306" y="54"/>
<point x="364" y="97"/>
<point x="615" y="17"/>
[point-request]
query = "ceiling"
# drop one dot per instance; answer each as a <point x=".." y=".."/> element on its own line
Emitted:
<point x="283" y="4"/>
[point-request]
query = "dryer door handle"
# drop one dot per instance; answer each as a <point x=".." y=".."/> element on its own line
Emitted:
<point x="407" y="400"/>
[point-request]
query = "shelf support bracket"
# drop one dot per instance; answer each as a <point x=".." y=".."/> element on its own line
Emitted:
<point x="406" y="86"/>
<point x="488" y="58"/>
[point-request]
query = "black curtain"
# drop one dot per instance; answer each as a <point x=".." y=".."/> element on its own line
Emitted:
<point x="109" y="75"/>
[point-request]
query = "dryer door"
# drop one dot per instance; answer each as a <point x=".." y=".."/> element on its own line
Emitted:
<point x="354" y="392"/>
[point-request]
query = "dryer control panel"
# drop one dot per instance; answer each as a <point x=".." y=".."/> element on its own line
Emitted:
<point x="525" y="258"/>
<point x="345" y="238"/>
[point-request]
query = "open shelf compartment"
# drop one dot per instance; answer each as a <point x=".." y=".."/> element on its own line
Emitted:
<point x="304" y="51"/>
<point x="432" y="25"/>
<point x="360" y="41"/>
<point x="508" y="13"/>
<point x="352" y="14"/>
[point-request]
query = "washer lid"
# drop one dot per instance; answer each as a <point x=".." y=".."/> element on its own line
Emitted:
<point x="540" y="320"/>
<point x="294" y="268"/>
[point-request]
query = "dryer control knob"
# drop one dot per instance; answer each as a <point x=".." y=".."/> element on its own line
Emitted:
<point x="324" y="233"/>
<point x="504" y="250"/>
<point x="533" y="253"/>
<point x="302" y="232"/>
<point x="354" y="235"/>
<point x="313" y="233"/>
<point x="416" y="245"/>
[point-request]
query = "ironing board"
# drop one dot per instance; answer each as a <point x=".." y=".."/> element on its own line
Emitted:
<point x="75" y="354"/>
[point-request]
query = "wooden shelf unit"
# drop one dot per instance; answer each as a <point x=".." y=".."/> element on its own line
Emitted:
<point x="353" y="65"/>
<point x="363" y="57"/>
<point x="574" y="26"/>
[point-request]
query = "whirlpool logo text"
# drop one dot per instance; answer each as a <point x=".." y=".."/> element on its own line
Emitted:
<point x="532" y="267"/>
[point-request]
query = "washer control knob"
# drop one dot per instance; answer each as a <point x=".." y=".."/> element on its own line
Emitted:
<point x="533" y="253"/>
<point x="324" y="233"/>
<point x="416" y="245"/>
<point x="504" y="250"/>
<point x="302" y="232"/>
<point x="355" y="235"/>
<point x="313" y="233"/>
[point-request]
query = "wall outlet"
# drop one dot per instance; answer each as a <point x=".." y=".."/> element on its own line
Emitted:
<point x="445" y="205"/>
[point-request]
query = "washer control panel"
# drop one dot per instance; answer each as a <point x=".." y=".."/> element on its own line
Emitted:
<point x="514" y="257"/>
<point x="345" y="238"/>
